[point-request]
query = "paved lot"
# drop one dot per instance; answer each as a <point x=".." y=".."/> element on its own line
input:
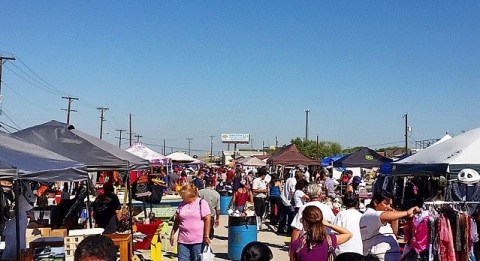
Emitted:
<point x="220" y="243"/>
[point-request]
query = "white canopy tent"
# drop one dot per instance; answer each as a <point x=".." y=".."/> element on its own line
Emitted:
<point x="449" y="156"/>
<point x="180" y="157"/>
<point x="252" y="161"/>
<point x="444" y="138"/>
<point x="145" y="152"/>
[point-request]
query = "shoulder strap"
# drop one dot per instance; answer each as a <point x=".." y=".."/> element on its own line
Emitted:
<point x="331" y="249"/>
<point x="200" y="204"/>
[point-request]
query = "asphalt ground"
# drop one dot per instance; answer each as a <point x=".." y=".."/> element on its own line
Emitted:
<point x="278" y="244"/>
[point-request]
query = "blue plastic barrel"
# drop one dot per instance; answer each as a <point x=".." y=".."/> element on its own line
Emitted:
<point x="241" y="231"/>
<point x="224" y="201"/>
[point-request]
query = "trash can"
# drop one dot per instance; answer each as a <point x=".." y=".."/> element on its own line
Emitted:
<point x="224" y="201"/>
<point x="241" y="231"/>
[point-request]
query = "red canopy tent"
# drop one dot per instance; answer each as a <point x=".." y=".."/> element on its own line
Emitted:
<point x="291" y="156"/>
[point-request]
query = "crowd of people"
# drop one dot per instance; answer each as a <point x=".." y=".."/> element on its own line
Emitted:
<point x="292" y="203"/>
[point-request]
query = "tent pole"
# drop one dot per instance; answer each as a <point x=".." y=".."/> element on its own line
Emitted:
<point x="403" y="190"/>
<point x="17" y="220"/>
<point x="130" y="204"/>
<point x="88" y="203"/>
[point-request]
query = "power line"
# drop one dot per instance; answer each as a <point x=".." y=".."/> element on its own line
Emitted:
<point x="31" y="83"/>
<point x="8" y="117"/>
<point x="383" y="144"/>
<point x="47" y="83"/>
<point x="3" y="123"/>
<point x="27" y="100"/>
<point x="55" y="91"/>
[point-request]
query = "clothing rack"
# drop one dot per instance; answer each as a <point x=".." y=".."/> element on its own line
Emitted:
<point x="439" y="202"/>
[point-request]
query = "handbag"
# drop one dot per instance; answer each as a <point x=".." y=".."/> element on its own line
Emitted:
<point x="331" y="249"/>
<point x="207" y="254"/>
<point x="292" y="202"/>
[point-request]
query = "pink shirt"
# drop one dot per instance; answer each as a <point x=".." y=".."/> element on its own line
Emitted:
<point x="418" y="234"/>
<point x="190" y="229"/>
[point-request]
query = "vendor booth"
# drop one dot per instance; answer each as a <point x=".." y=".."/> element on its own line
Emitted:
<point x="96" y="154"/>
<point x="21" y="162"/>
<point x="441" y="163"/>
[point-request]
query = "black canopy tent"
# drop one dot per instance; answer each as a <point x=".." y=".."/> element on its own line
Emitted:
<point x="20" y="160"/>
<point x="363" y="158"/>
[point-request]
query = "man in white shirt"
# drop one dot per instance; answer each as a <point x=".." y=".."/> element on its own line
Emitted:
<point x="287" y="208"/>
<point x="314" y="191"/>
<point x="306" y="175"/>
<point x="259" y="189"/>
<point x="350" y="220"/>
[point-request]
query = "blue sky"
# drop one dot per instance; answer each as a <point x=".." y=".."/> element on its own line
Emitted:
<point x="199" y="68"/>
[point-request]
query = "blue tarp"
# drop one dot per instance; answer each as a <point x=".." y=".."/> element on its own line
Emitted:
<point x="328" y="161"/>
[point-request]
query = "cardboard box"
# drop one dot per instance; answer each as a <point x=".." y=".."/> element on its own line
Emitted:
<point x="34" y="233"/>
<point x="58" y="233"/>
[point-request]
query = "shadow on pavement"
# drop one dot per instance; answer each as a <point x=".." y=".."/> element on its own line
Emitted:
<point x="220" y="237"/>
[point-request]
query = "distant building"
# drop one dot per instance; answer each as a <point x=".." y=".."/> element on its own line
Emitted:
<point x="227" y="156"/>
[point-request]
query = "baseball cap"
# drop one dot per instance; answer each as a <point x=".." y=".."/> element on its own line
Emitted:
<point x="357" y="180"/>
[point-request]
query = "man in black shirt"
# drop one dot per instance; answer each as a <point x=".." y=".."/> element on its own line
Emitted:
<point x="106" y="210"/>
<point x="198" y="181"/>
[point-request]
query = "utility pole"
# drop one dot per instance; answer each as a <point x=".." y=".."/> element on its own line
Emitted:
<point x="211" y="148"/>
<point x="2" y="58"/>
<point x="407" y="129"/>
<point x="306" y="124"/>
<point x="164" y="148"/>
<point x="120" y="137"/>
<point x="102" y="119"/>
<point x="189" y="142"/>
<point x="263" y="147"/>
<point x="69" y="108"/>
<point x="138" y="136"/>
<point x="251" y="143"/>
<point x="130" y="127"/>
<point x="317" y="149"/>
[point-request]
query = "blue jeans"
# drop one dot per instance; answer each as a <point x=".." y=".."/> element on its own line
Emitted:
<point x="189" y="252"/>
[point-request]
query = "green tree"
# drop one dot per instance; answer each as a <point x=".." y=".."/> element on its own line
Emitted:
<point x="309" y="148"/>
<point x="352" y="150"/>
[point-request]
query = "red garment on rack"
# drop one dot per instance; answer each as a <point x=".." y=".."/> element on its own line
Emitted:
<point x="446" y="250"/>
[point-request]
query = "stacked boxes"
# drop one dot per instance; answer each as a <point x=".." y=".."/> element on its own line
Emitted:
<point x="71" y="243"/>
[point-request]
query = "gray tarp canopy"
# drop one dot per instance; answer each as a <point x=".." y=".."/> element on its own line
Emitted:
<point x="97" y="154"/>
<point x="20" y="160"/>
<point x="23" y="160"/>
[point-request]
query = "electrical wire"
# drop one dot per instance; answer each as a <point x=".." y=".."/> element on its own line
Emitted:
<point x="8" y="117"/>
<point x="55" y="91"/>
<point x="27" y="100"/>
<point x="3" y="123"/>
<point x="47" y="83"/>
<point x="33" y="84"/>
<point x="383" y="144"/>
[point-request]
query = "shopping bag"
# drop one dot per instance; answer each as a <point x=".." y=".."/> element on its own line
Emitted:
<point x="207" y="254"/>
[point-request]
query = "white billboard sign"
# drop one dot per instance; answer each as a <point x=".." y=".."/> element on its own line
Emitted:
<point x="236" y="138"/>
